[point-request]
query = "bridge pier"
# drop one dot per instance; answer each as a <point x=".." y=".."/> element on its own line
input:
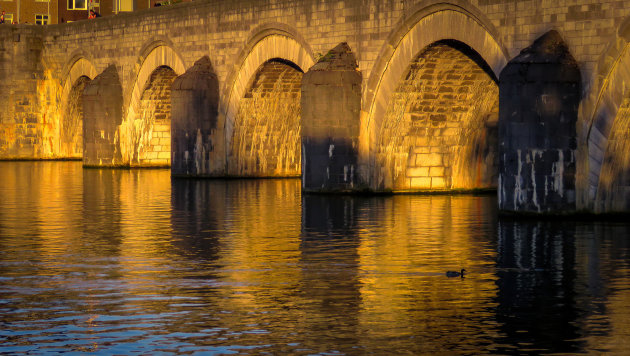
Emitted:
<point x="102" y="114"/>
<point x="194" y="110"/>
<point x="539" y="95"/>
<point x="331" y="104"/>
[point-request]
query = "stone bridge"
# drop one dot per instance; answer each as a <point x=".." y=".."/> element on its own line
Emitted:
<point x="527" y="97"/>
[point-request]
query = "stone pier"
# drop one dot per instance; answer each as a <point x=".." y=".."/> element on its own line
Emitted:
<point x="538" y="110"/>
<point x="331" y="103"/>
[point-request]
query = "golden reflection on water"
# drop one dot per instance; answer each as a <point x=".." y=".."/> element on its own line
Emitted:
<point x="43" y="204"/>
<point x="254" y="262"/>
<point x="404" y="266"/>
<point x="261" y="247"/>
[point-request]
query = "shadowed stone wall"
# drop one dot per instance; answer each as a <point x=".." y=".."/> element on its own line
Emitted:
<point x="102" y="113"/>
<point x="331" y="105"/>
<point x="72" y="122"/>
<point x="540" y="94"/>
<point x="195" y="100"/>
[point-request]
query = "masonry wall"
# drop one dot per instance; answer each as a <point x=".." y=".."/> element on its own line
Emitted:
<point x="266" y="136"/>
<point x="440" y="128"/>
<point x="155" y="120"/>
<point x="221" y="29"/>
<point x="35" y="68"/>
<point x="22" y="126"/>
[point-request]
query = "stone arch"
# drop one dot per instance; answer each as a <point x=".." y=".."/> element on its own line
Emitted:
<point x="270" y="51"/>
<point x="77" y="74"/>
<point x="135" y="129"/>
<point x="431" y="23"/>
<point x="604" y="181"/>
<point x="440" y="127"/>
<point x="152" y="145"/>
<point x="77" y="67"/>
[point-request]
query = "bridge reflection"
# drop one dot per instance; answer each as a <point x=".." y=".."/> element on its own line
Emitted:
<point x="258" y="255"/>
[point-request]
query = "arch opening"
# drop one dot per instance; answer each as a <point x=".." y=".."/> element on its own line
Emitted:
<point x="153" y="120"/>
<point x="71" y="130"/>
<point x="266" y="134"/>
<point x="440" y="127"/>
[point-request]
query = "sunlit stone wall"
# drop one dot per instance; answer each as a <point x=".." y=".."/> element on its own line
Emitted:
<point x="440" y="128"/>
<point x="21" y="125"/>
<point x="266" y="136"/>
<point x="614" y="179"/>
<point x="153" y="124"/>
<point x="72" y="121"/>
<point x="35" y="61"/>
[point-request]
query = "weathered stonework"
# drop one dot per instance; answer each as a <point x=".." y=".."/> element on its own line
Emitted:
<point x="614" y="180"/>
<point x="195" y="101"/>
<point x="21" y="124"/>
<point x="439" y="132"/>
<point x="102" y="114"/>
<point x="331" y="104"/>
<point x="265" y="141"/>
<point x="539" y="98"/>
<point x="72" y="121"/>
<point x="153" y="124"/>
<point x="39" y="65"/>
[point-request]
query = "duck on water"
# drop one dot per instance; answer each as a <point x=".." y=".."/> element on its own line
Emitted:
<point x="455" y="273"/>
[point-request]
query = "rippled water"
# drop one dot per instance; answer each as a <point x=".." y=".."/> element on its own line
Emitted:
<point x="128" y="261"/>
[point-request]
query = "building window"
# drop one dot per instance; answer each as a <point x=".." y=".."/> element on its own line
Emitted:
<point x="41" y="19"/>
<point x="125" y="5"/>
<point x="77" y="5"/>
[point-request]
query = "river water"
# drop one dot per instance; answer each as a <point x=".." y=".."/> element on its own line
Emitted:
<point x="134" y="262"/>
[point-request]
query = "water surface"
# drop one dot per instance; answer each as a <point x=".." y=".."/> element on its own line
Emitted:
<point x="132" y="262"/>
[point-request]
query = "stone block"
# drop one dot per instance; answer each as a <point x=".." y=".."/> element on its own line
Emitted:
<point x="420" y="183"/>
<point x="429" y="159"/>
<point x="194" y="115"/>
<point x="438" y="183"/>
<point x="417" y="172"/>
<point x="436" y="171"/>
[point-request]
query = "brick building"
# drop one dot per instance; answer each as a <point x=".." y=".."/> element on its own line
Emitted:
<point x="38" y="12"/>
<point x="42" y="12"/>
<point x="74" y="10"/>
